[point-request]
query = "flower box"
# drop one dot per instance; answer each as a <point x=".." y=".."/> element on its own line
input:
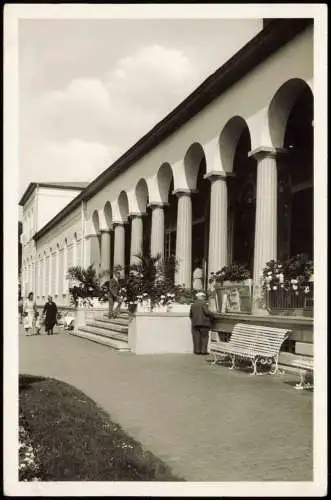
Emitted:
<point x="181" y="308"/>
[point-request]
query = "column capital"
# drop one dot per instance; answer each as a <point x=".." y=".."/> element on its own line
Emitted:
<point x="90" y="235"/>
<point x="105" y="231"/>
<point x="158" y="204"/>
<point x="266" y="152"/>
<point x="119" y="223"/>
<point x="218" y="174"/>
<point x="184" y="191"/>
<point x="132" y="215"/>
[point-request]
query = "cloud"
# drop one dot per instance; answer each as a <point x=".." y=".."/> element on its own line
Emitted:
<point x="122" y="106"/>
<point x="72" y="160"/>
<point x="92" y="120"/>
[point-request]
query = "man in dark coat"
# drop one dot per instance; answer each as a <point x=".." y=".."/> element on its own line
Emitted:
<point x="200" y="322"/>
<point x="50" y="312"/>
<point x="113" y="294"/>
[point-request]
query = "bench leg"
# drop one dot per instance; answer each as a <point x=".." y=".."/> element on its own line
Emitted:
<point x="275" y="370"/>
<point x="233" y="359"/>
<point x="254" y="362"/>
<point x="303" y="384"/>
<point x="213" y="357"/>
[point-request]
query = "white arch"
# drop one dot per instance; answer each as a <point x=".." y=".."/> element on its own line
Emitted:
<point x="108" y="214"/>
<point x="228" y="140"/>
<point x="192" y="161"/>
<point x="141" y="195"/>
<point x="281" y="106"/>
<point x="96" y="221"/>
<point x="123" y="206"/>
<point x="163" y="179"/>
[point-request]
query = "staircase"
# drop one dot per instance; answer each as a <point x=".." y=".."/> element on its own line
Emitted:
<point x="110" y="332"/>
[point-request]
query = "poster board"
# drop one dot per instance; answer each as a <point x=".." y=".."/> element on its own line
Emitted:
<point x="234" y="298"/>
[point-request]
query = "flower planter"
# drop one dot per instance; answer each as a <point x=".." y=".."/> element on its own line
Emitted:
<point x="80" y="317"/>
<point x="180" y="308"/>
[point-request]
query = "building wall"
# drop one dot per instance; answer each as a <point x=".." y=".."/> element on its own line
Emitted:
<point x="43" y="204"/>
<point x="250" y="98"/>
<point x="56" y="251"/>
<point x="50" y="202"/>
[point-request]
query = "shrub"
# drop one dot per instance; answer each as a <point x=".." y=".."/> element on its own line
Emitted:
<point x="234" y="272"/>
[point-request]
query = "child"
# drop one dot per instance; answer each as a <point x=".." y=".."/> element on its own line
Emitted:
<point x="38" y="323"/>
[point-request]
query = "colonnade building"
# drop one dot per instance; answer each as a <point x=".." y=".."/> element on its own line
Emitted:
<point x="226" y="177"/>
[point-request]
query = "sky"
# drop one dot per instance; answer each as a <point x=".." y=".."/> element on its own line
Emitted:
<point x="90" y="88"/>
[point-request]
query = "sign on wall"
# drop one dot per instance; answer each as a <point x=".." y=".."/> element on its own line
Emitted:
<point x="234" y="298"/>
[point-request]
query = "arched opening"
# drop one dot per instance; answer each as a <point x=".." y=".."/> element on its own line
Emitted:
<point x="200" y="221"/>
<point x="108" y="215"/>
<point x="170" y="222"/>
<point x="291" y="127"/>
<point x="96" y="242"/>
<point x="165" y="183"/>
<point x="109" y="223"/>
<point x="235" y="144"/>
<point x="142" y="201"/>
<point x="123" y="205"/>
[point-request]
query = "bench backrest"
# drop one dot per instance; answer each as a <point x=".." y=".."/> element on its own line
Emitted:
<point x="264" y="339"/>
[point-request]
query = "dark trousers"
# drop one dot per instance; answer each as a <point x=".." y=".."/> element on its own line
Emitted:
<point x="112" y="312"/>
<point x="200" y="336"/>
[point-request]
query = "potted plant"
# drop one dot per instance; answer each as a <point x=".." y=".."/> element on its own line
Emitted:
<point x="288" y="285"/>
<point x="233" y="274"/>
<point x="85" y="291"/>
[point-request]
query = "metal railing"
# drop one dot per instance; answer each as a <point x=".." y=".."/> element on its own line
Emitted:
<point x="288" y="301"/>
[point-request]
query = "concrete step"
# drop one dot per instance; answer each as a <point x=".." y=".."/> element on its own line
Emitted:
<point x="115" y="321"/>
<point x="123" y="337"/>
<point x="108" y="326"/>
<point x="117" y="345"/>
<point x="122" y="314"/>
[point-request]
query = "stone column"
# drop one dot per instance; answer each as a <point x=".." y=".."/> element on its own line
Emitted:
<point x="119" y="245"/>
<point x="218" y="229"/>
<point x="265" y="247"/>
<point x="105" y="254"/>
<point x="157" y="234"/>
<point x="184" y="239"/>
<point x="136" y="237"/>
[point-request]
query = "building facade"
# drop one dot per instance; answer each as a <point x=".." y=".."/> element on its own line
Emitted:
<point x="226" y="177"/>
<point x="40" y="203"/>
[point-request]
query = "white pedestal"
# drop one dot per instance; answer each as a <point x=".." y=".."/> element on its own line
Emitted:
<point x="160" y="333"/>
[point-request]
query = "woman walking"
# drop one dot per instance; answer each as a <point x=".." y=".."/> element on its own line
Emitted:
<point x="50" y="312"/>
<point x="29" y="313"/>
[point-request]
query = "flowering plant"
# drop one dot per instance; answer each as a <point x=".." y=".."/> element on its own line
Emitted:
<point x="165" y="299"/>
<point x="234" y="272"/>
<point x="294" y="274"/>
<point x="184" y="295"/>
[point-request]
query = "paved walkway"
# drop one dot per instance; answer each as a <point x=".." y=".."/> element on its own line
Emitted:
<point x="206" y="422"/>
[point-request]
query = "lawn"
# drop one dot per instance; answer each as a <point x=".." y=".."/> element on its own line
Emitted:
<point x="65" y="436"/>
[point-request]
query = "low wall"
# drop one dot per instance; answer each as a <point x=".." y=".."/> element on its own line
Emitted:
<point x="160" y="333"/>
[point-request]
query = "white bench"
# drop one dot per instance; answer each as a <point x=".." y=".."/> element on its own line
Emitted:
<point x="306" y="366"/>
<point x="259" y="344"/>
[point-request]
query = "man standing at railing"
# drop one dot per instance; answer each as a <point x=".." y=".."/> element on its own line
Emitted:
<point x="201" y="321"/>
<point x="113" y="295"/>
